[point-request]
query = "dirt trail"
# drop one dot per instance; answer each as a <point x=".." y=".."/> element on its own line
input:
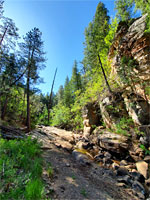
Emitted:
<point x="72" y="180"/>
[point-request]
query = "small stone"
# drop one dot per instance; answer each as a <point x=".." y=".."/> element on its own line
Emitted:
<point x="81" y="158"/>
<point x="115" y="166"/>
<point x="133" y="170"/>
<point x="67" y="165"/>
<point x="129" y="167"/>
<point x="107" y="161"/>
<point x="125" y="179"/>
<point x="137" y="186"/>
<point x="135" y="158"/>
<point x="142" y="167"/>
<point x="107" y="155"/>
<point x="140" y="196"/>
<point x="122" y="171"/>
<point x="147" y="159"/>
<point x="62" y="188"/>
<point x="123" y="163"/>
<point x="147" y="182"/>
<point x="99" y="156"/>
<point x="137" y="176"/>
<point x="138" y="151"/>
<point x="143" y="140"/>
<point x="121" y="184"/>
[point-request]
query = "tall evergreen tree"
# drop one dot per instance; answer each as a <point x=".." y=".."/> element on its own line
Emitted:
<point x="95" y="47"/>
<point x="75" y="78"/>
<point x="32" y="49"/>
<point x="124" y="9"/>
<point x="67" y="93"/>
<point x="1" y="8"/>
<point x="60" y="94"/>
<point x="8" y="33"/>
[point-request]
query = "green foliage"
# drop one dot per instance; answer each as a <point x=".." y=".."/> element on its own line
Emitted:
<point x="136" y="130"/>
<point x="95" y="34"/>
<point x="126" y="71"/>
<point x="61" y="115"/>
<point x="124" y="9"/>
<point x="112" y="30"/>
<point x="75" y="78"/>
<point x="34" y="189"/>
<point x="123" y="126"/>
<point x="112" y="109"/>
<point x="147" y="151"/>
<point x="20" y="169"/>
<point x="73" y="177"/>
<point x="50" y="171"/>
<point x="83" y="192"/>
<point x="67" y="97"/>
<point x="147" y="90"/>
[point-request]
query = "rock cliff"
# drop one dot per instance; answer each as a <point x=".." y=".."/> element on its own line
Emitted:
<point x="132" y="41"/>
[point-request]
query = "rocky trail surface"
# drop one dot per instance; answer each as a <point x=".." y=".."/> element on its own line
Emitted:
<point x="71" y="175"/>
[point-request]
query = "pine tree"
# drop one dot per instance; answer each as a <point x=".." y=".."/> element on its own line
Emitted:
<point x="60" y="94"/>
<point x="96" y="50"/>
<point x="32" y="49"/>
<point x="8" y="33"/>
<point x="75" y="78"/>
<point x="67" y="99"/>
<point x="1" y="8"/>
<point x="124" y="9"/>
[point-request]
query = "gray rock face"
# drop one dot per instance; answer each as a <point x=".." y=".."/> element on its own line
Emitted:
<point x="112" y="109"/>
<point x="134" y="43"/>
<point x="114" y="142"/>
<point x="138" y="109"/>
<point x="91" y="116"/>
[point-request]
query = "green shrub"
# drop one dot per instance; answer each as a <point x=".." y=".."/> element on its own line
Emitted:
<point x="61" y="115"/>
<point x="34" y="189"/>
<point x="146" y="150"/>
<point x="123" y="126"/>
<point x="20" y="169"/>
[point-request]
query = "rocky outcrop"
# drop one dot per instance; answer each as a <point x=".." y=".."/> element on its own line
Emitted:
<point x="113" y="109"/>
<point x="113" y="142"/>
<point x="137" y="108"/>
<point x="91" y="117"/>
<point x="132" y="41"/>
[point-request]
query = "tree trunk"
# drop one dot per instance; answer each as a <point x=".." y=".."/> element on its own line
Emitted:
<point x="28" y="102"/>
<point x="3" y="36"/>
<point x="4" y="108"/>
<point x="104" y="74"/>
<point x="50" y="98"/>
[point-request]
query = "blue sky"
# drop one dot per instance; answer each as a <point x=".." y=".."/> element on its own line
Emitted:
<point x="62" y="24"/>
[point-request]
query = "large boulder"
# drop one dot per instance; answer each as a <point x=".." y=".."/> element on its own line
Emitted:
<point x="142" y="168"/>
<point x="138" y="108"/>
<point x="113" y="109"/>
<point x="91" y="117"/>
<point x="114" y="143"/>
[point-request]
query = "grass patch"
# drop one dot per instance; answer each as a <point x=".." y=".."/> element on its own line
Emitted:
<point x="83" y="192"/>
<point x="50" y="172"/>
<point x="20" y="170"/>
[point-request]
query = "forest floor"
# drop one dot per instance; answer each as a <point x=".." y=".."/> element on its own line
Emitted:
<point x="67" y="178"/>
